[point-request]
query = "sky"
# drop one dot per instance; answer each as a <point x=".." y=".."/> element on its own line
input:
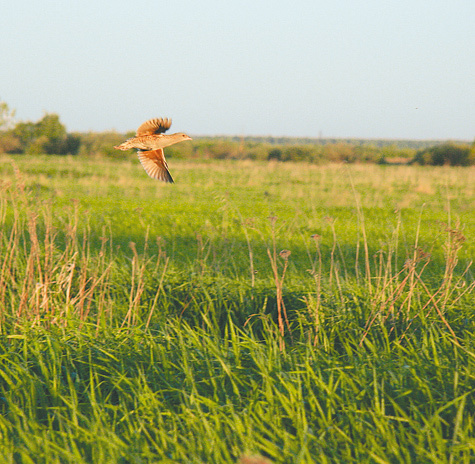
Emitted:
<point x="402" y="69"/>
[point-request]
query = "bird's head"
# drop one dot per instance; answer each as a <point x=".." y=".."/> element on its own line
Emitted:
<point x="166" y="140"/>
<point x="182" y="137"/>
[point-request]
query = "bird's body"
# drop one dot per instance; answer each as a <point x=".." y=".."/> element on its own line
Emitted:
<point x="150" y="141"/>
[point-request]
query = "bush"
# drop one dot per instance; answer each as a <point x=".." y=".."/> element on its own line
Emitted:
<point x="9" y="143"/>
<point x="340" y="151"/>
<point x="275" y="154"/>
<point x="300" y="153"/>
<point x="450" y="154"/>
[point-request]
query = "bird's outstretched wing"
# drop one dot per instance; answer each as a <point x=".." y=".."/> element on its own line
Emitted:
<point x="155" y="165"/>
<point x="154" y="126"/>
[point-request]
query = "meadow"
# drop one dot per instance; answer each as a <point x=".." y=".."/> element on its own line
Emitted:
<point x="250" y="312"/>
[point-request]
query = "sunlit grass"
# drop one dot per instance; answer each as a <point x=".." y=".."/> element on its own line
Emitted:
<point x="295" y="312"/>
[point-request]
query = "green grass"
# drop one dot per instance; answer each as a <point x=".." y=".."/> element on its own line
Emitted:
<point x="142" y="322"/>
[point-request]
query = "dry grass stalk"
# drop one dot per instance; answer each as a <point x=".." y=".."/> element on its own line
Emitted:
<point x="279" y="281"/>
<point x="413" y="283"/>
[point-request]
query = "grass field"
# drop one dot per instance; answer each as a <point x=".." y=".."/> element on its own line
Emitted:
<point x="294" y="312"/>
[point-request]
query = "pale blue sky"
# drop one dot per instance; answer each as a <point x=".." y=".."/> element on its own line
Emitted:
<point x="341" y="68"/>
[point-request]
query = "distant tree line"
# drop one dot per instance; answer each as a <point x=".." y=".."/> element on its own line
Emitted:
<point x="49" y="136"/>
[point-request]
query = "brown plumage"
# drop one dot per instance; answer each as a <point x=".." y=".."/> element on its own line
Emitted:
<point x="150" y="140"/>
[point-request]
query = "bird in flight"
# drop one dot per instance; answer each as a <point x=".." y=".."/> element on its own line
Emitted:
<point x="150" y="141"/>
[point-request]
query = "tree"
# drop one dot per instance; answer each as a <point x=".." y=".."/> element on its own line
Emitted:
<point x="26" y="133"/>
<point x="8" y="142"/>
<point x="46" y="136"/>
<point x="51" y="127"/>
<point x="7" y="116"/>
